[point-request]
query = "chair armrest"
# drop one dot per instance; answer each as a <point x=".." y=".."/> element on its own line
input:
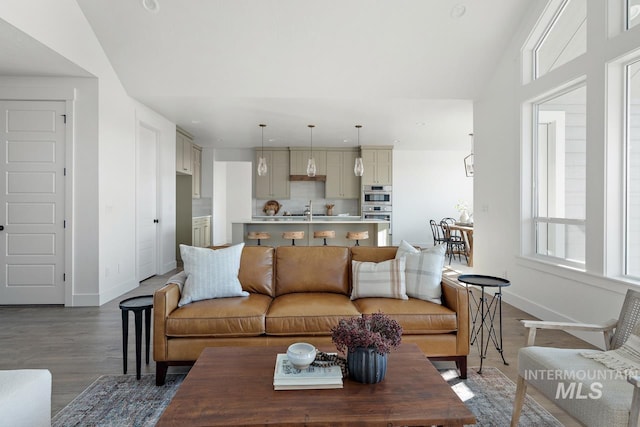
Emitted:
<point x="534" y="325"/>
<point x="165" y="300"/>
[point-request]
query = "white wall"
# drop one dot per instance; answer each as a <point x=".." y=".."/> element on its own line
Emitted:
<point x="427" y="185"/>
<point x="103" y="257"/>
<point x="238" y="201"/>
<point x="542" y="289"/>
<point x="219" y="216"/>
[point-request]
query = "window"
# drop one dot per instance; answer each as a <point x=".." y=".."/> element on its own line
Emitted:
<point x="560" y="175"/>
<point x="564" y="39"/>
<point x="633" y="13"/>
<point x="632" y="229"/>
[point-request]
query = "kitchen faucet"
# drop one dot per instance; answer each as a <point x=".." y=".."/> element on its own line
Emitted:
<point x="309" y="211"/>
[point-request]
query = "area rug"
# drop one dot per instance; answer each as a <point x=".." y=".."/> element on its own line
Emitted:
<point x="121" y="400"/>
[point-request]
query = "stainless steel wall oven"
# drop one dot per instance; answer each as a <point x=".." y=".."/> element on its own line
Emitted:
<point x="376" y="195"/>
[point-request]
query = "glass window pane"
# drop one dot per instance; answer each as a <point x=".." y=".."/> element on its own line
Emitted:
<point x="561" y="156"/>
<point x="561" y="241"/>
<point x="565" y="40"/>
<point x="633" y="171"/>
<point x="633" y="13"/>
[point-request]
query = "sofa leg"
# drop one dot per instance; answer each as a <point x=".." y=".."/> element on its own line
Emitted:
<point x="461" y="362"/>
<point x="161" y="372"/>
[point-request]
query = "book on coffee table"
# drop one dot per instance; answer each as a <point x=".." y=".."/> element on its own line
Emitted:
<point x="287" y="377"/>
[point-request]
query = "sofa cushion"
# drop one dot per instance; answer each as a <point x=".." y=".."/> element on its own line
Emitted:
<point x="307" y="313"/>
<point x="373" y="253"/>
<point x="545" y="367"/>
<point x="379" y="279"/>
<point x="224" y="317"/>
<point x="414" y="315"/>
<point x="211" y="273"/>
<point x="256" y="269"/>
<point x="312" y="269"/>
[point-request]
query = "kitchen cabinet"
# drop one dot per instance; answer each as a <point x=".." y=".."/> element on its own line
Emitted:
<point x="377" y="165"/>
<point x="299" y="157"/>
<point x="341" y="182"/>
<point x="196" y="168"/>
<point x="184" y="143"/>
<point x="201" y="230"/>
<point x="275" y="184"/>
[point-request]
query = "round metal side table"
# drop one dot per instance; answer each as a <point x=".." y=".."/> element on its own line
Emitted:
<point x="486" y="309"/>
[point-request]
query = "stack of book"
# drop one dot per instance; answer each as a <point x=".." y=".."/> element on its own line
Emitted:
<point x="286" y="377"/>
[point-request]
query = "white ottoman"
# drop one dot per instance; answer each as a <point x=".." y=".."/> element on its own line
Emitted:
<point x="25" y="397"/>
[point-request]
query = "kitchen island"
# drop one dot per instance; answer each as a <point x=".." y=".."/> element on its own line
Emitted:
<point x="276" y="225"/>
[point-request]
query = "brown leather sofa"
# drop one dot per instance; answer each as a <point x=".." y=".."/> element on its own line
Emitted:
<point x="297" y="293"/>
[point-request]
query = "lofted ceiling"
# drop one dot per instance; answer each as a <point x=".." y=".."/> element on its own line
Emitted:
<point x="407" y="70"/>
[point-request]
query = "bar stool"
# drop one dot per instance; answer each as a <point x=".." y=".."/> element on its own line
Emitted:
<point x="258" y="235"/>
<point x="293" y="235"/>
<point x="325" y="234"/>
<point x="357" y="236"/>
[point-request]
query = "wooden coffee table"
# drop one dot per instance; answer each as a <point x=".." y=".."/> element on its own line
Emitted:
<point x="234" y="386"/>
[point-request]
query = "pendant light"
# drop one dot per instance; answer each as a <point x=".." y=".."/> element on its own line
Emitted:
<point x="358" y="168"/>
<point x="468" y="161"/>
<point x="262" y="162"/>
<point x="311" y="164"/>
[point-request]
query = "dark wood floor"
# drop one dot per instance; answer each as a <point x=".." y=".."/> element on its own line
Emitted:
<point x="79" y="344"/>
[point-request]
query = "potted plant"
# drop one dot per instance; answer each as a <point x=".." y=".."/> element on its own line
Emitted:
<point x="367" y="340"/>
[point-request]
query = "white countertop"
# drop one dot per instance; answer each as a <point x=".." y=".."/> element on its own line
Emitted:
<point x="317" y="220"/>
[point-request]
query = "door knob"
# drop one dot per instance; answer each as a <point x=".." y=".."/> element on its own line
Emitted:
<point x="1" y="227"/>
<point x="155" y="221"/>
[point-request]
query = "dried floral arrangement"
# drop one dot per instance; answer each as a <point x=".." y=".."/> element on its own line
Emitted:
<point x="376" y="330"/>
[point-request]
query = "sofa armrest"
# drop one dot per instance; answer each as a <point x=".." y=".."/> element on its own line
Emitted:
<point x="455" y="296"/>
<point x="165" y="300"/>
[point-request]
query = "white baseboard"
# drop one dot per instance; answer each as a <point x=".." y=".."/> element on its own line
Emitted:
<point x="544" y="313"/>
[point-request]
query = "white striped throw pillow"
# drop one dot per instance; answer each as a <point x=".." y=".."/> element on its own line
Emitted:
<point x="383" y="279"/>
<point x="211" y="273"/>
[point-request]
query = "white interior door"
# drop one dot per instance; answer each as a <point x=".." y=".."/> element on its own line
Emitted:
<point x="146" y="188"/>
<point x="32" y="162"/>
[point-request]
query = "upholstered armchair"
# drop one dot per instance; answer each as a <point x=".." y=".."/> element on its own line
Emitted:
<point x="585" y="388"/>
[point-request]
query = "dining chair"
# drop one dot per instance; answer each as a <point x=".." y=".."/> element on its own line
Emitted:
<point x="455" y="243"/>
<point x="436" y="230"/>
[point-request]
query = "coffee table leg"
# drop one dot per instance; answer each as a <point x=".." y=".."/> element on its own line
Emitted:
<point x="125" y="338"/>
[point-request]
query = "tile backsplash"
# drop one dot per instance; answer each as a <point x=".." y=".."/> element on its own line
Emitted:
<point x="302" y="192"/>
<point x="201" y="207"/>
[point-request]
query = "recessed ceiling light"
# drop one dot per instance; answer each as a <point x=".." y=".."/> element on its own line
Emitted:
<point x="151" y="5"/>
<point x="458" y="11"/>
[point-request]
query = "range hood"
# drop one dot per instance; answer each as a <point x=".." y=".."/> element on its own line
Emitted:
<point x="321" y="178"/>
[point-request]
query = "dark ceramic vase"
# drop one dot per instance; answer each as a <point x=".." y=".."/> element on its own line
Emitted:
<point x="366" y="365"/>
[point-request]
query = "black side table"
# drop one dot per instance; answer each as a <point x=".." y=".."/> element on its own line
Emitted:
<point x="487" y="312"/>
<point x="137" y="305"/>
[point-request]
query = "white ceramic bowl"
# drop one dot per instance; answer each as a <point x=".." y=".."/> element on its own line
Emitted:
<point x="301" y="355"/>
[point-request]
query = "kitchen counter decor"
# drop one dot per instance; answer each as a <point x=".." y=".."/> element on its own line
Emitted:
<point x="272" y="207"/>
